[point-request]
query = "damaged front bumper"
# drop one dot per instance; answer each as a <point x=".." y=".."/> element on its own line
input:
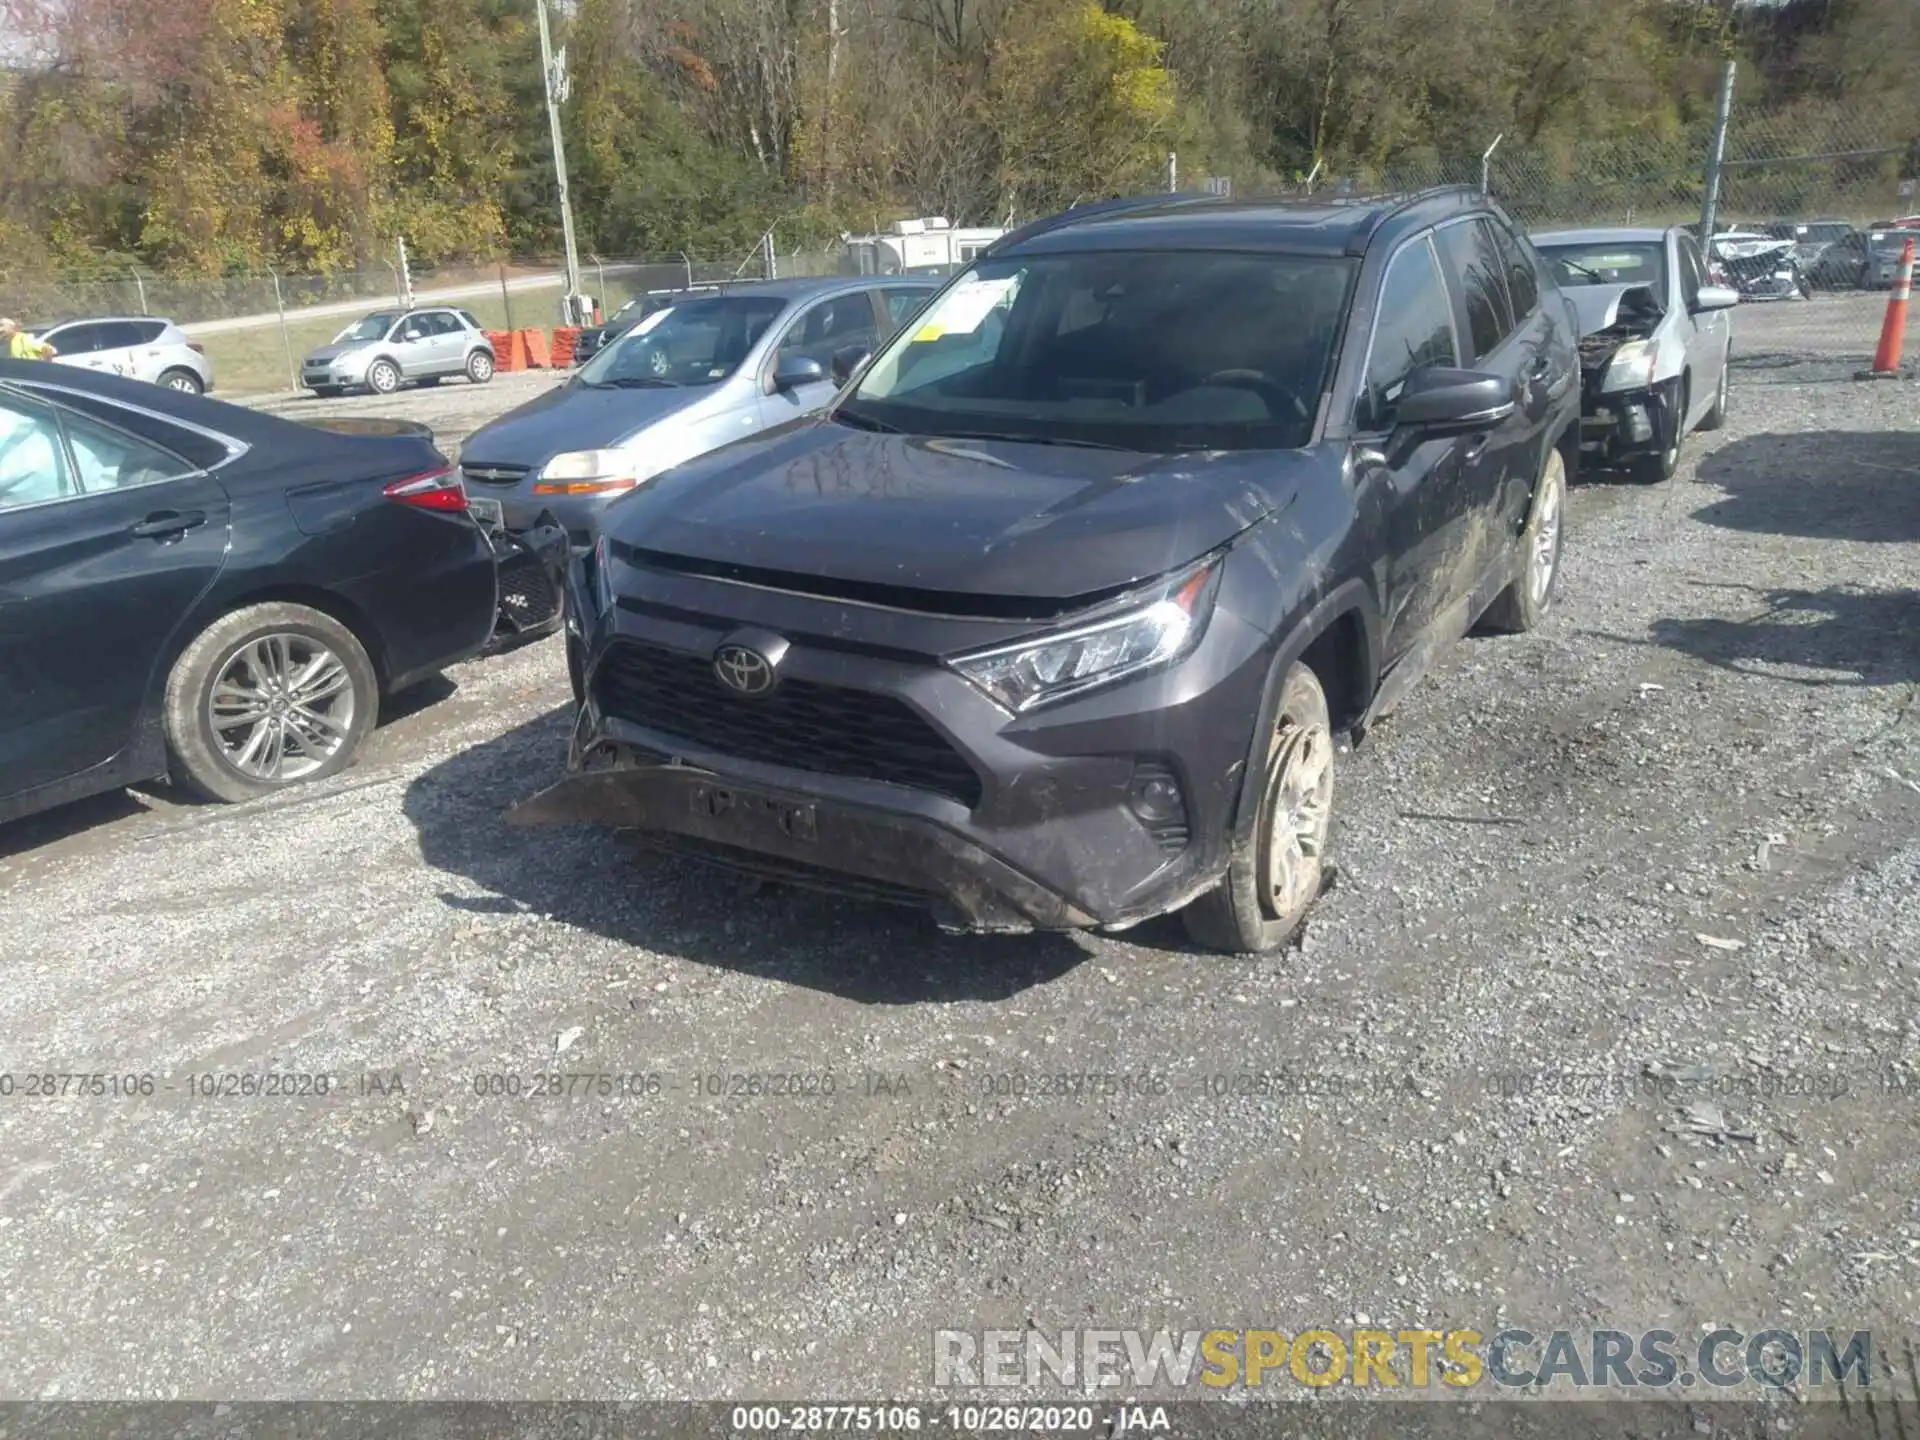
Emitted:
<point x="1623" y="424"/>
<point x="532" y="568"/>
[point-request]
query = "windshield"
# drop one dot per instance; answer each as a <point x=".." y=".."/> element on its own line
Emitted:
<point x="1146" y="352"/>
<point x="374" y="327"/>
<point x="1609" y="263"/>
<point x="694" y="342"/>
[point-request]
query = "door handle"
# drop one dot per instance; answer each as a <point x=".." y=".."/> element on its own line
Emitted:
<point x="163" y="523"/>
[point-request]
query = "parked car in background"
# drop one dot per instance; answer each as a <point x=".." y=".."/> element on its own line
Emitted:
<point x="690" y="377"/>
<point x="1885" y="246"/>
<point x="138" y="346"/>
<point x="391" y="348"/>
<point x="1063" y="636"/>
<point x="1655" y="341"/>
<point x="212" y="594"/>
<point x="1760" y="266"/>
<point x="592" y="339"/>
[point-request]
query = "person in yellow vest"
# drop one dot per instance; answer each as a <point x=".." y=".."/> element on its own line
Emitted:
<point x="22" y="346"/>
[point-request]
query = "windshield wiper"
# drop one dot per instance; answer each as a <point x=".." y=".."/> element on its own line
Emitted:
<point x="1029" y="440"/>
<point x="1593" y="275"/>
<point x="641" y="382"/>
<point x="860" y="421"/>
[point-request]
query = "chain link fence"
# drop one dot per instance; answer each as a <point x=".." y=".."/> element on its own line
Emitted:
<point x="1809" y="199"/>
<point x="254" y="328"/>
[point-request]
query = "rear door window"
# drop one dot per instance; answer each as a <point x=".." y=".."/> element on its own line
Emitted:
<point x="1473" y="261"/>
<point x="1523" y="280"/>
<point x="33" y="462"/>
<point x="1415" y="328"/>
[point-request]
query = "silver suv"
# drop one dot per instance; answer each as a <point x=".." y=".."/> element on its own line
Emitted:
<point x="138" y="346"/>
<point x="394" y="347"/>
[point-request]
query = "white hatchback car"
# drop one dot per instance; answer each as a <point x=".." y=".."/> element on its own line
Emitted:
<point x="138" y="346"/>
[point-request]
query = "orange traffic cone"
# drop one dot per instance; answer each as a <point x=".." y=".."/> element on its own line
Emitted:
<point x="1893" y="330"/>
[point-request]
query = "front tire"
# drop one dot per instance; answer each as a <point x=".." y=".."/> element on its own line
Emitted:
<point x="1525" y="602"/>
<point x="1661" y="465"/>
<point x="383" y="377"/>
<point x="1276" y="872"/>
<point x="1717" y="417"/>
<point x="185" y="381"/>
<point x="480" y="367"/>
<point x="269" y="696"/>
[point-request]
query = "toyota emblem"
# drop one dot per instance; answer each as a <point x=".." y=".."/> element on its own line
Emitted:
<point x="742" y="670"/>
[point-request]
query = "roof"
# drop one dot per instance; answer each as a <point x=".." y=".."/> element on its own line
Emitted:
<point x="1294" y="227"/>
<point x="1601" y="235"/>
<point x="101" y="320"/>
<point x="807" y="286"/>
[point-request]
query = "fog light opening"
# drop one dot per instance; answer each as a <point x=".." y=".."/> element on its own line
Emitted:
<point x="1156" y="800"/>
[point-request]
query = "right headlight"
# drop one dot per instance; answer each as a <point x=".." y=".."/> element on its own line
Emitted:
<point x="1157" y="628"/>
<point x="587" y="472"/>
<point x="1631" y="367"/>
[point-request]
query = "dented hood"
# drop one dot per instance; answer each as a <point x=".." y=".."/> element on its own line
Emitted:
<point x="1597" y="307"/>
<point x="825" y="503"/>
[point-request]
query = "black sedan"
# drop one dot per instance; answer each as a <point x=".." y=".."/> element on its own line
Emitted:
<point x="200" y="592"/>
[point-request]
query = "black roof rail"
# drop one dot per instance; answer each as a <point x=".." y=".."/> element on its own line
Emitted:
<point x="1392" y="205"/>
<point x="1098" y="209"/>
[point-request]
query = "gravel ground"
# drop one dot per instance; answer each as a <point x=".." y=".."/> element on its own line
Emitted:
<point x="1674" y="833"/>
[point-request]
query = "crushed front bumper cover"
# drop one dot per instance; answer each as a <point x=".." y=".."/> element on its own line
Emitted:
<point x="773" y="834"/>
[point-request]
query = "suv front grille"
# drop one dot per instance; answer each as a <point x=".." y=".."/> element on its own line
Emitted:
<point x="494" y="474"/>
<point x="802" y="724"/>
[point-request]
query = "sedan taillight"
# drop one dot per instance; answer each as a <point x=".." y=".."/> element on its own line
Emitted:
<point x="439" y="489"/>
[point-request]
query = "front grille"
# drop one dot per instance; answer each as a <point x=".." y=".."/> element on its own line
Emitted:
<point x="807" y="726"/>
<point x="494" y="474"/>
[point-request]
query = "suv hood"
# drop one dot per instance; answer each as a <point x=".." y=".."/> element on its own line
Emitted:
<point x="574" y="417"/>
<point x="844" y="511"/>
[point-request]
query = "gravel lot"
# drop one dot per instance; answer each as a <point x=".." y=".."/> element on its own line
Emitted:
<point x="1716" y="736"/>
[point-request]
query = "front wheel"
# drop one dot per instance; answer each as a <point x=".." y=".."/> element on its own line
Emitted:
<point x="1525" y="602"/>
<point x="1661" y="465"/>
<point x="480" y="367"/>
<point x="269" y="696"/>
<point x="383" y="377"/>
<point x="1275" y="873"/>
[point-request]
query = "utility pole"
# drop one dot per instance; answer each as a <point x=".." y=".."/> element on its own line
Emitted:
<point x="559" y="85"/>
<point x="1716" y="157"/>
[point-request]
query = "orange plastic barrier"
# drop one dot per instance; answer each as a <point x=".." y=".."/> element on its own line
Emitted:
<point x="534" y="343"/>
<point x="506" y="354"/>
<point x="565" y="338"/>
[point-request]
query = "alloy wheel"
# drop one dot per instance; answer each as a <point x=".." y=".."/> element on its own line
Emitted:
<point x="1301" y="813"/>
<point x="281" y="707"/>
<point x="1543" y="530"/>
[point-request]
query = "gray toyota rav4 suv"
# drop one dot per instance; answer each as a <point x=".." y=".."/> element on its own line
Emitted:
<point x="1054" y="617"/>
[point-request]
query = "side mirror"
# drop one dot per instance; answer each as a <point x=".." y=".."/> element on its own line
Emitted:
<point x="1438" y="400"/>
<point x="848" y="360"/>
<point x="1715" y="297"/>
<point x="792" y="371"/>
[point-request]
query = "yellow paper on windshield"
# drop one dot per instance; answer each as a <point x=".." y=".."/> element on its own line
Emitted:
<point x="965" y="309"/>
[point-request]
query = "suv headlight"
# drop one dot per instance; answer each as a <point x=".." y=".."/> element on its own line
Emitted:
<point x="1154" y="628"/>
<point x="1631" y="367"/>
<point x="587" y="472"/>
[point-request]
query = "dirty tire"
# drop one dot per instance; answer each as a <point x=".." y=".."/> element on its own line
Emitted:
<point x="1652" y="469"/>
<point x="1717" y="416"/>
<point x="480" y="367"/>
<point x="1525" y="602"/>
<point x="383" y="377"/>
<point x="1277" y="869"/>
<point x="195" y="756"/>
<point x="185" y="381"/>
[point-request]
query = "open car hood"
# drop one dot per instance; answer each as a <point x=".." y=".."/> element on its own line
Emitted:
<point x="1597" y="307"/>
